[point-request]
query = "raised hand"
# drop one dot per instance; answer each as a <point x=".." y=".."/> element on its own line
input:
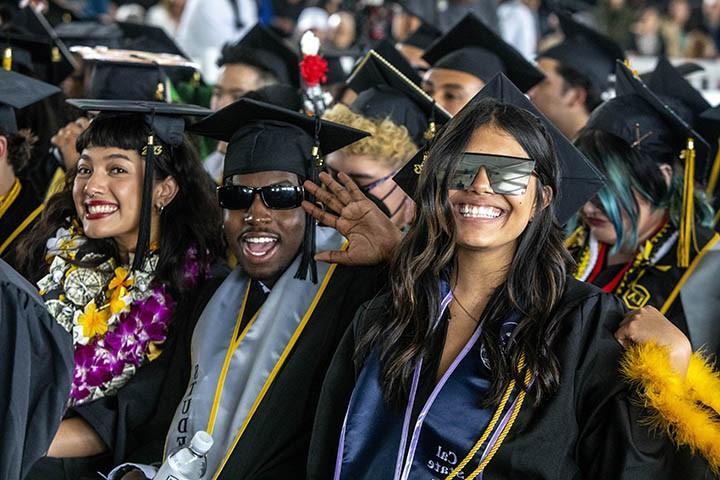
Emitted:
<point x="371" y="235"/>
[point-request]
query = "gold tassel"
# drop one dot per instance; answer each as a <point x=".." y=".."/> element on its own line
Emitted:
<point x="714" y="174"/>
<point x="687" y="217"/>
<point x="7" y="59"/>
<point x="55" y="54"/>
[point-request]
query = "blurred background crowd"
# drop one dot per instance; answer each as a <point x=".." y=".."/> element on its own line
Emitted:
<point x="676" y="28"/>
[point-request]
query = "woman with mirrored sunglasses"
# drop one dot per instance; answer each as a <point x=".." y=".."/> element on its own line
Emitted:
<point x="486" y="359"/>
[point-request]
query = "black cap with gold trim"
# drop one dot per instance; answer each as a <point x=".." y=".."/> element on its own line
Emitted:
<point x="384" y="92"/>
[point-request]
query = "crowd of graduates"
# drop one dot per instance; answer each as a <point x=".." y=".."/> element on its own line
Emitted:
<point x="439" y="256"/>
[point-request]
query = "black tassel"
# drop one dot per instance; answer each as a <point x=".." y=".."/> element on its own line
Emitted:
<point x="143" y="241"/>
<point x="307" y="261"/>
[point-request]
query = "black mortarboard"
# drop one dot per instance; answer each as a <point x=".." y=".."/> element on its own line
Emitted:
<point x="280" y="95"/>
<point x="579" y="179"/>
<point x="167" y="123"/>
<point x="263" y="49"/>
<point x="472" y="47"/>
<point x="654" y="129"/>
<point x="647" y="122"/>
<point x="388" y="51"/>
<point x="685" y="69"/>
<point x="43" y="55"/>
<point x="129" y="74"/>
<point x="423" y="36"/>
<point x="384" y="92"/>
<point x="667" y="81"/>
<point x="90" y="34"/>
<point x="61" y="63"/>
<point x="19" y="91"/>
<point x="263" y="137"/>
<point x="586" y="51"/>
<point x="148" y="38"/>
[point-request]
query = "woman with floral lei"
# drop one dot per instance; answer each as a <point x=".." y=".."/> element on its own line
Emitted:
<point x="646" y="236"/>
<point x="127" y="242"/>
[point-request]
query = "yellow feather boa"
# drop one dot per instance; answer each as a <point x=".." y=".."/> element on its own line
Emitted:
<point x="687" y="410"/>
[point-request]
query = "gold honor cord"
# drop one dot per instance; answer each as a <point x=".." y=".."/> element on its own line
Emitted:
<point x="21" y="228"/>
<point x="676" y="291"/>
<point x="9" y="198"/>
<point x="491" y="427"/>
<point x="714" y="174"/>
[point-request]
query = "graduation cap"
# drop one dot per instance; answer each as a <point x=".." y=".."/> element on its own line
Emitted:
<point x="579" y="179"/>
<point x="424" y="35"/>
<point x="384" y="92"/>
<point x="472" y="47"/>
<point x="586" y="51"/>
<point x="43" y="55"/>
<point x="651" y="127"/>
<point x="148" y="38"/>
<point x="685" y="69"/>
<point x="168" y="125"/>
<point x="388" y="51"/>
<point x="263" y="49"/>
<point x="90" y="34"/>
<point x="19" y="91"/>
<point x="262" y="136"/>
<point x="669" y="81"/>
<point x="130" y="74"/>
<point x="61" y="61"/>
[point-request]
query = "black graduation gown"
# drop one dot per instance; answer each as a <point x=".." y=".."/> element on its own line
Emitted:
<point x="688" y="297"/>
<point x="588" y="428"/>
<point x="120" y="419"/>
<point x="18" y="220"/>
<point x="275" y="443"/>
<point x="36" y="362"/>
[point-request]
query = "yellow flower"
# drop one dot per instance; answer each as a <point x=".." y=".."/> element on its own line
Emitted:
<point x="121" y="279"/>
<point x="117" y="302"/>
<point x="93" y="321"/>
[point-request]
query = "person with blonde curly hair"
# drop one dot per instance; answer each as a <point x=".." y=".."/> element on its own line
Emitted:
<point x="373" y="161"/>
<point x="400" y="117"/>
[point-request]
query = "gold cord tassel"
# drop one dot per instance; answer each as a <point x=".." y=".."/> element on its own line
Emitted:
<point x="687" y="218"/>
<point x="7" y="59"/>
<point x="714" y="174"/>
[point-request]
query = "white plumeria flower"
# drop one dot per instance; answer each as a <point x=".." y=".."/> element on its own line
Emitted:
<point x="309" y="43"/>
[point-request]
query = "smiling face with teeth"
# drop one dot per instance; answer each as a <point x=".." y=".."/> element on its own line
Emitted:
<point x="265" y="241"/>
<point x="486" y="220"/>
<point x="107" y="193"/>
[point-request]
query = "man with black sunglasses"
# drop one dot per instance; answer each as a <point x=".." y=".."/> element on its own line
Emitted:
<point x="263" y="341"/>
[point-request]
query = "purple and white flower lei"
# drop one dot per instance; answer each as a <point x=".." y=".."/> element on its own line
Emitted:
<point x="105" y="364"/>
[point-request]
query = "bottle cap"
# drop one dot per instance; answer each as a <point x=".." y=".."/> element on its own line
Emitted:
<point x="201" y="442"/>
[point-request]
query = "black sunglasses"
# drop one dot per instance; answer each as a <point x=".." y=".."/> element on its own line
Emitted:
<point x="275" y="197"/>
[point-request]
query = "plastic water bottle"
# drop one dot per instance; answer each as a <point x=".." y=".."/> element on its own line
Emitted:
<point x="188" y="463"/>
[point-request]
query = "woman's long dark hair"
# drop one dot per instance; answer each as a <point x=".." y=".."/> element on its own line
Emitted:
<point x="192" y="220"/>
<point x="533" y="287"/>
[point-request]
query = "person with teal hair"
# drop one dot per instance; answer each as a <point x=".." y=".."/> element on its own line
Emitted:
<point x="646" y="236"/>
